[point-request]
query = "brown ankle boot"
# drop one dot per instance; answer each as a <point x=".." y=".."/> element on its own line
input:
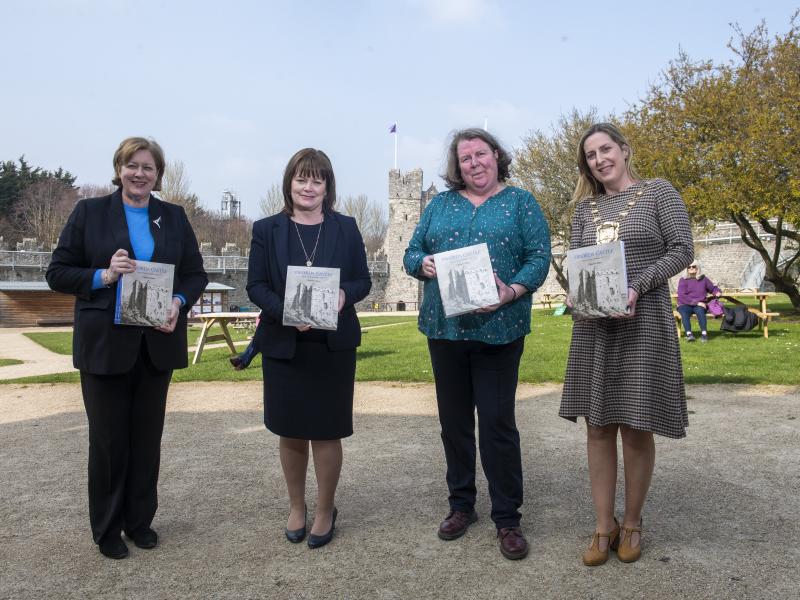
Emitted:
<point x="626" y="553"/>
<point x="594" y="556"/>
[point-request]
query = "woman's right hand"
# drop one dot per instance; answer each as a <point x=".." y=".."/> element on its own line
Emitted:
<point x="120" y="263"/>
<point x="428" y="268"/>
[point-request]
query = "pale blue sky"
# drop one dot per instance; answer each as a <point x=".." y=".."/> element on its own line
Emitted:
<point x="234" y="88"/>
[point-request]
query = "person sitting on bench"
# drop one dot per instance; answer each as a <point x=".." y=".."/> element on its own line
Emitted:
<point x="692" y="292"/>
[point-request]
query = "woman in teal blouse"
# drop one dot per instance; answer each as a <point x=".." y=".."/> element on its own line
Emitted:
<point x="475" y="357"/>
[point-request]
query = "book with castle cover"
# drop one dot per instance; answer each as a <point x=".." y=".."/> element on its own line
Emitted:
<point x="466" y="279"/>
<point x="598" y="281"/>
<point x="312" y="297"/>
<point x="144" y="297"/>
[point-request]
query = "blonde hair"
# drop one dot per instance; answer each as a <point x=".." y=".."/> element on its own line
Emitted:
<point x="130" y="146"/>
<point x="587" y="184"/>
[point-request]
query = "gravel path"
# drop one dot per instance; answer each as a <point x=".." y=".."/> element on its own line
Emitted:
<point x="721" y="522"/>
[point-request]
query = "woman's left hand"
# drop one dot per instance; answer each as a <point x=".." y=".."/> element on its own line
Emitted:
<point x="505" y="292"/>
<point x="341" y="299"/>
<point x="174" y="311"/>
<point x="633" y="296"/>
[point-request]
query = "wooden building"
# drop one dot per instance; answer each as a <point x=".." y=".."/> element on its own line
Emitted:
<point x="32" y="303"/>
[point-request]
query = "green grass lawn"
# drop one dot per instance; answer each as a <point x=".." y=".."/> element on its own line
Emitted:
<point x="400" y="353"/>
<point x="5" y="362"/>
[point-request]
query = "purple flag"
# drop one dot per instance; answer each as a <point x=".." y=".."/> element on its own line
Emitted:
<point x="393" y="128"/>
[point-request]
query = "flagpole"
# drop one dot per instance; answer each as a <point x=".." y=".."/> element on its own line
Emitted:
<point x="395" y="147"/>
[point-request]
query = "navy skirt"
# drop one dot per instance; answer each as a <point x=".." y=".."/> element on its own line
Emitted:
<point x="310" y="396"/>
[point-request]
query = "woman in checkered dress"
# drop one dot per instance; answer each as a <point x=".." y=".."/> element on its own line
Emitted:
<point x="624" y="374"/>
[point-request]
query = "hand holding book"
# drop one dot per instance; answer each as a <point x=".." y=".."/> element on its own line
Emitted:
<point x="119" y="264"/>
<point x="172" y="317"/>
<point x="506" y="293"/>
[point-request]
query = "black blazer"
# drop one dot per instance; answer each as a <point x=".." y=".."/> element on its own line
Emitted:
<point x="266" y="280"/>
<point x="94" y="231"/>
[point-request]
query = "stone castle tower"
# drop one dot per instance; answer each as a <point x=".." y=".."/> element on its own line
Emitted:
<point x="406" y="202"/>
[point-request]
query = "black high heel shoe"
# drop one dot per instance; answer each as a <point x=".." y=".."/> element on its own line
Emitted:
<point x="317" y="541"/>
<point x="298" y="535"/>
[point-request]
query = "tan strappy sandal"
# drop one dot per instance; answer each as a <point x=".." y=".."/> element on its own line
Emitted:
<point x="626" y="553"/>
<point x="594" y="556"/>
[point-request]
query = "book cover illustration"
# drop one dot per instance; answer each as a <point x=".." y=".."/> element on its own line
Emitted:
<point x="598" y="281"/>
<point x="144" y="297"/>
<point x="312" y="297"/>
<point x="466" y="279"/>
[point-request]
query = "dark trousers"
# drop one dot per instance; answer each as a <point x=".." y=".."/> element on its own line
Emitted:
<point x="126" y="418"/>
<point x="469" y="376"/>
<point x="686" y="316"/>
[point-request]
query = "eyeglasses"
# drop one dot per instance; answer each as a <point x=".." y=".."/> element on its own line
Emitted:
<point x="693" y="267"/>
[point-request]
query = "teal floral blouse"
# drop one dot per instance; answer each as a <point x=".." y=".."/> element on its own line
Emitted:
<point x="512" y="225"/>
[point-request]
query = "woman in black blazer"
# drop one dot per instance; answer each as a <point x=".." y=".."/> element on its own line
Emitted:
<point x="309" y="374"/>
<point x="125" y="370"/>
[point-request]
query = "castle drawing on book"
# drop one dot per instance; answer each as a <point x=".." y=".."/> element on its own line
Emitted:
<point x="466" y="279"/>
<point x="312" y="297"/>
<point x="144" y="297"/>
<point x="598" y="281"/>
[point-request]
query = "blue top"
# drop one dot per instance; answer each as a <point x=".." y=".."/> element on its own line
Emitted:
<point x="139" y="232"/>
<point x="514" y="228"/>
<point x="141" y="241"/>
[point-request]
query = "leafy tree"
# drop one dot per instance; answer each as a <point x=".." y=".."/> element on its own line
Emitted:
<point x="728" y="136"/>
<point x="14" y="180"/>
<point x="546" y="166"/>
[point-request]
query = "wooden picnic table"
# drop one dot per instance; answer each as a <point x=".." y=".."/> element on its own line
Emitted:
<point x="733" y="296"/>
<point x="222" y="319"/>
<point x="547" y="300"/>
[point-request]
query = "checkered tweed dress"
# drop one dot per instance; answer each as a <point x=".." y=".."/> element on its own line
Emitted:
<point x="628" y="371"/>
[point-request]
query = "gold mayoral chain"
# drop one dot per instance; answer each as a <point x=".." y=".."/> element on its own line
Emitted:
<point x="608" y="231"/>
<point x="309" y="259"/>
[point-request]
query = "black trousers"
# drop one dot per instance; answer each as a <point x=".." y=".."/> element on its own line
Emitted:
<point x="474" y="375"/>
<point x="126" y="419"/>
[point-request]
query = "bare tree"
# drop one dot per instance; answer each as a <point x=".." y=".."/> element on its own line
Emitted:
<point x="43" y="209"/>
<point x="93" y="190"/>
<point x="175" y="188"/>
<point x="272" y="203"/>
<point x="371" y="218"/>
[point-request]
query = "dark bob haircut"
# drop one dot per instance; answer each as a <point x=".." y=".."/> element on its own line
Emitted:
<point x="309" y="162"/>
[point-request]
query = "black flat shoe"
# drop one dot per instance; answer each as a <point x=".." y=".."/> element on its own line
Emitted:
<point x="298" y="535"/>
<point x="317" y="541"/>
<point x="146" y="539"/>
<point x="114" y="548"/>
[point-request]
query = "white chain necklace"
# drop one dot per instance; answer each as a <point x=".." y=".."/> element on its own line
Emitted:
<point x="309" y="259"/>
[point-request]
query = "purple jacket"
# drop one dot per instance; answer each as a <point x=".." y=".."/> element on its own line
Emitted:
<point x="691" y="291"/>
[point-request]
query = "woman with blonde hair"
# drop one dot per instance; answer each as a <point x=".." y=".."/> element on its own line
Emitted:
<point x="624" y="374"/>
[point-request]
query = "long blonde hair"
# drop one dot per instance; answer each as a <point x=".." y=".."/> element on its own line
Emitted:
<point x="587" y="184"/>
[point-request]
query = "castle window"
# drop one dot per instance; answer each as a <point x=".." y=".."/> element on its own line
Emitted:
<point x="401" y="238"/>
